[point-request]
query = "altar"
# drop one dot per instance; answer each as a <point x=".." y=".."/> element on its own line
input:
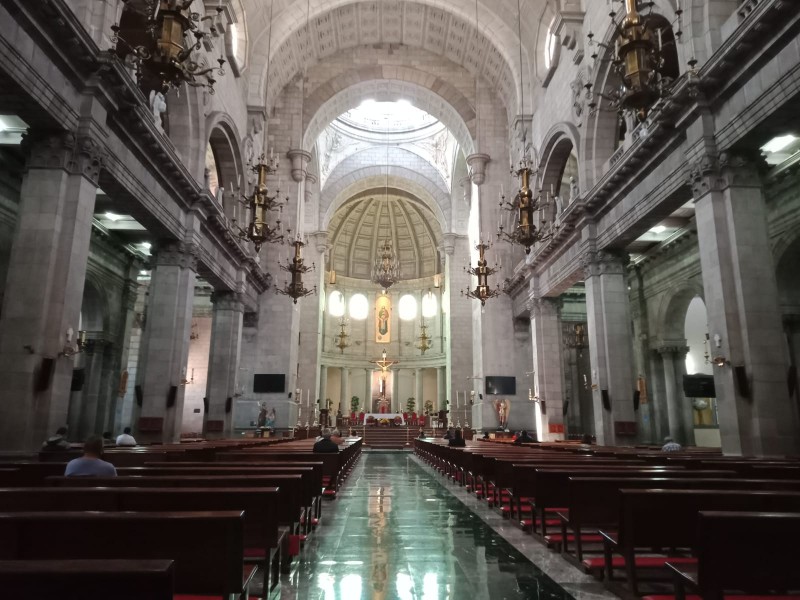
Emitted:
<point x="388" y="416"/>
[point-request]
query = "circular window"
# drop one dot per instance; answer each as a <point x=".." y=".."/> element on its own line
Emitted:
<point x="359" y="307"/>
<point x="429" y="305"/>
<point x="407" y="307"/>
<point x="336" y="304"/>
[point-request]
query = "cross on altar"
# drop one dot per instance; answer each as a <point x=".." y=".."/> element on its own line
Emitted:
<point x="384" y="363"/>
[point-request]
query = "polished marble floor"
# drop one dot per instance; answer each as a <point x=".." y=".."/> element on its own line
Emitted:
<point x="397" y="532"/>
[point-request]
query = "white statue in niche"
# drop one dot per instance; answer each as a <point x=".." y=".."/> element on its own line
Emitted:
<point x="158" y="104"/>
<point x="573" y="189"/>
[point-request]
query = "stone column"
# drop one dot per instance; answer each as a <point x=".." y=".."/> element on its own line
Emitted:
<point x="458" y="308"/>
<point x="610" y="346"/>
<point x="223" y="363"/>
<point x="417" y="386"/>
<point x="323" y="385"/>
<point x="44" y="286"/>
<point x="658" y="395"/>
<point x="344" y="389"/>
<point x="756" y="415"/>
<point x="441" y="390"/>
<point x="368" y="387"/>
<point x="165" y="347"/>
<point x="668" y="354"/>
<point x="396" y="387"/>
<point x="548" y="364"/>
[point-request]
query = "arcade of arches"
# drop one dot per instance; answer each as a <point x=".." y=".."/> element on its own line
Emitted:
<point x="667" y="302"/>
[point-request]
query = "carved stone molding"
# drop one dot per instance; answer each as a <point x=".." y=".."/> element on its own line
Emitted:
<point x="477" y="164"/>
<point x="673" y="349"/>
<point x="227" y="300"/>
<point x="716" y="173"/>
<point x="604" y="262"/>
<point x="449" y="243"/>
<point x="299" y="158"/>
<point x="544" y="306"/>
<point x="176" y="254"/>
<point x="77" y="155"/>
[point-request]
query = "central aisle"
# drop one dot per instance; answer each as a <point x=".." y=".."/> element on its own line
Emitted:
<point x="395" y="532"/>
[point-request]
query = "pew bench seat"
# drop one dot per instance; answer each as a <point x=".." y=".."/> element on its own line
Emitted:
<point x="597" y="564"/>
<point x="725" y="597"/>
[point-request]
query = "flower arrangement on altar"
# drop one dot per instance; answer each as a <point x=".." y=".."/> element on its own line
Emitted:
<point x="383" y="422"/>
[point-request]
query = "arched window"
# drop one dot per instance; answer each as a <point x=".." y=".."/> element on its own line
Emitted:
<point x="359" y="307"/>
<point x="429" y="305"/>
<point x="407" y="307"/>
<point x="336" y="304"/>
<point x="550" y="44"/>
<point x="212" y="170"/>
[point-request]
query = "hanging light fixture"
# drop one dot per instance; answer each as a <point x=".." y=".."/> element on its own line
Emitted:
<point x="260" y="203"/>
<point x="424" y="340"/>
<point x="296" y="266"/>
<point x="524" y="205"/>
<point x="576" y="338"/>
<point x="341" y="341"/>
<point x="640" y="59"/>
<point x="386" y="271"/>
<point x="482" y="291"/>
<point x="160" y="41"/>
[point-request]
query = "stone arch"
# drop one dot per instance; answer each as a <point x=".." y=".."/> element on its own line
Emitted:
<point x="672" y="311"/>
<point x="374" y="178"/>
<point x="562" y="139"/>
<point x="95" y="314"/>
<point x="490" y="52"/>
<point x="226" y="144"/>
<point x="345" y="91"/>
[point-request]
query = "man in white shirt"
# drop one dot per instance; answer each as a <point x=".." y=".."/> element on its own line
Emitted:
<point x="125" y="438"/>
<point x="670" y="445"/>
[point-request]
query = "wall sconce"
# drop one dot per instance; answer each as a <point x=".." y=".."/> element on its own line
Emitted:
<point x="69" y="350"/>
<point x="185" y="381"/>
<point x="720" y="361"/>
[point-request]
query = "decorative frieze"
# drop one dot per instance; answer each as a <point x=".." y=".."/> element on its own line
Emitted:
<point x="77" y="155"/>
<point x="604" y="262"/>
<point x="176" y="254"/>
<point x="227" y="300"/>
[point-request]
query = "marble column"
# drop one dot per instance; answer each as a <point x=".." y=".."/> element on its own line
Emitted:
<point x="610" y="346"/>
<point x="458" y="326"/>
<point x="658" y="396"/>
<point x="756" y="415"/>
<point x="368" y="388"/>
<point x="223" y="363"/>
<point x="395" y="389"/>
<point x="548" y="365"/>
<point x="44" y="285"/>
<point x="344" y="389"/>
<point x="441" y="390"/>
<point x="417" y="386"/>
<point x="323" y="387"/>
<point x="675" y="424"/>
<point x="165" y="347"/>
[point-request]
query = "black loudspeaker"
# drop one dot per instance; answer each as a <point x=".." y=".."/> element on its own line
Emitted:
<point x="205" y="404"/>
<point x="228" y="404"/>
<point x="137" y="390"/>
<point x="606" y="399"/>
<point x="45" y="374"/>
<point x="172" y="395"/>
<point x="78" y="379"/>
<point x="636" y="396"/>
<point x="544" y="407"/>
<point x="290" y="394"/>
<point x="791" y="379"/>
<point x="480" y="396"/>
<point x="565" y="408"/>
<point x="740" y="375"/>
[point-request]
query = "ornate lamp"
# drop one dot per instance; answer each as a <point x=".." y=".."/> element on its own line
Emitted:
<point x="386" y="271"/>
<point x="341" y="341"/>
<point x="524" y="207"/>
<point x="159" y="39"/>
<point x="296" y="289"/>
<point x="424" y="340"/>
<point x="482" y="291"/>
<point x="577" y="338"/>
<point x="259" y="204"/>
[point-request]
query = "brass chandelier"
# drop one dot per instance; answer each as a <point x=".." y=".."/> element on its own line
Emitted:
<point x="424" y="341"/>
<point x="576" y="338"/>
<point x="640" y="59"/>
<point x="259" y="204"/>
<point x="297" y="268"/>
<point x="160" y="38"/>
<point x="386" y="271"/>
<point x="482" y="291"/>
<point x="341" y="340"/>
<point x="524" y="207"/>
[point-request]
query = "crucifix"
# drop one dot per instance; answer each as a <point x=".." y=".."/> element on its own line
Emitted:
<point x="385" y="364"/>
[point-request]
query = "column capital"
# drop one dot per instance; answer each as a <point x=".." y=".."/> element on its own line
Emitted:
<point x="712" y="173"/>
<point x="477" y="163"/>
<point x="320" y="241"/>
<point x="77" y="155"/>
<point x="544" y="306"/>
<point x="449" y="243"/>
<point x="299" y="158"/>
<point x="227" y="300"/>
<point x="176" y="254"/>
<point x="673" y="348"/>
<point x="604" y="262"/>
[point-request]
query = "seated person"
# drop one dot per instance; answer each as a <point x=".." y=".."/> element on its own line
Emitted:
<point x="449" y="434"/>
<point x="336" y="436"/>
<point x="457" y="441"/>
<point x="91" y="463"/>
<point x="486" y="435"/>
<point x="125" y="438"/>
<point x="421" y="435"/>
<point x="524" y="438"/>
<point x="586" y="440"/>
<point x="325" y="443"/>
<point x="670" y="445"/>
<point x="58" y="441"/>
<point x="515" y="436"/>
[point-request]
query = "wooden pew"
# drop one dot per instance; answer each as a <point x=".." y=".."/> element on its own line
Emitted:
<point x="742" y="552"/>
<point x="87" y="579"/>
<point x="592" y="501"/>
<point x="667" y="519"/>
<point x="206" y="547"/>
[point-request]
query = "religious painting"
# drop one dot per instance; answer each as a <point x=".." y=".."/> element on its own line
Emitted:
<point x="383" y="320"/>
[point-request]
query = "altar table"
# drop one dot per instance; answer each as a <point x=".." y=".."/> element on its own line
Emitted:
<point x="389" y="416"/>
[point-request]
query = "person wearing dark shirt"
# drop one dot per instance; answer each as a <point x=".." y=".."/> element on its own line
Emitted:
<point x="524" y="438"/>
<point x="421" y="435"/>
<point x="448" y="435"/>
<point x="91" y="463"/>
<point x="325" y="444"/>
<point x="457" y="441"/>
<point x="58" y="441"/>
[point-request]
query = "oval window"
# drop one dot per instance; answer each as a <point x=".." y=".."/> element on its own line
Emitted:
<point x="359" y="307"/>
<point x="336" y="304"/>
<point x="429" y="305"/>
<point x="407" y="307"/>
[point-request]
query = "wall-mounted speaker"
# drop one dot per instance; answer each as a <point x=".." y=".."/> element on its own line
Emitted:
<point x="606" y="399"/>
<point x="791" y="379"/>
<point x="565" y="408"/>
<point x="290" y="394"/>
<point x="137" y="390"/>
<point x="740" y="376"/>
<point x="228" y="404"/>
<point x="205" y="404"/>
<point x="45" y="374"/>
<point x="172" y="395"/>
<point x="480" y="396"/>
<point x="636" y="397"/>
<point x="78" y="379"/>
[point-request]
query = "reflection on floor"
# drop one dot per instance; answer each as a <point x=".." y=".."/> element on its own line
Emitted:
<point x="395" y="532"/>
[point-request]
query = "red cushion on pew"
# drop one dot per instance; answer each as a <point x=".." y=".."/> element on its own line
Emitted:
<point x="315" y="521"/>
<point x="329" y="493"/>
<point x="294" y="545"/>
<point x="557" y="538"/>
<point x="645" y="562"/>
<point x="548" y="522"/>
<point x="255" y="553"/>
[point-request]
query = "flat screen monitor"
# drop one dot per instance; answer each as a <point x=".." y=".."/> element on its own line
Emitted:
<point x="269" y="383"/>
<point x="501" y="386"/>
<point x="699" y="386"/>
